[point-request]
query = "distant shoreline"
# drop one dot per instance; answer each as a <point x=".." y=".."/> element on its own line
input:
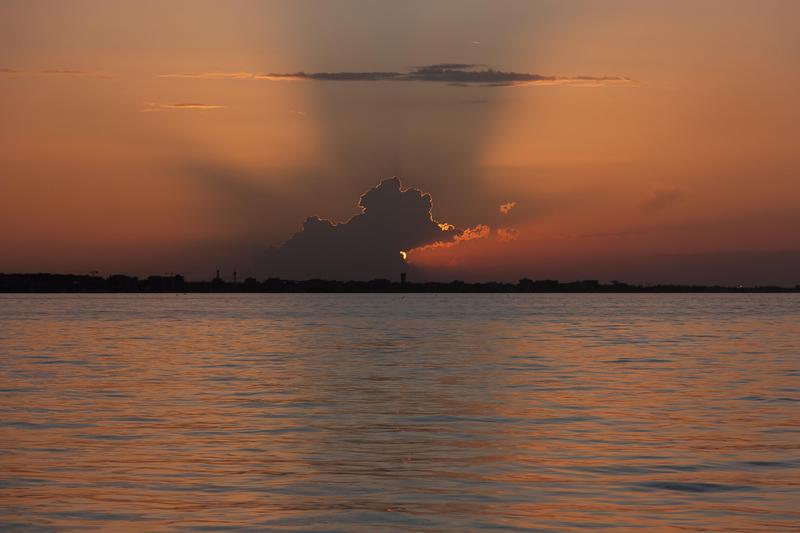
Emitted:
<point x="90" y="284"/>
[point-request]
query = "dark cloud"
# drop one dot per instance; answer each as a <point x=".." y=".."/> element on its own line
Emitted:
<point x="456" y="74"/>
<point x="367" y="246"/>
<point x="456" y="66"/>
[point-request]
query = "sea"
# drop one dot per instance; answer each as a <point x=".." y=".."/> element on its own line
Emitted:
<point x="400" y="412"/>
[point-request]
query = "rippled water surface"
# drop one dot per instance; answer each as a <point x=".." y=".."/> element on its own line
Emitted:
<point x="400" y="412"/>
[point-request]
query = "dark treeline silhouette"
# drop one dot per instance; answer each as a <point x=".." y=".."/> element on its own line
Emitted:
<point x="118" y="283"/>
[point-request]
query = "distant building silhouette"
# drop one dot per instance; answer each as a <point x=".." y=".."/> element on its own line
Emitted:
<point x="26" y="283"/>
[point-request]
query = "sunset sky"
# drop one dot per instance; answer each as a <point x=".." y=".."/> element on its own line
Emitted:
<point x="646" y="141"/>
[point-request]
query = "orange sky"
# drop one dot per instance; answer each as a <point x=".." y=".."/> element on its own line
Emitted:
<point x="136" y="136"/>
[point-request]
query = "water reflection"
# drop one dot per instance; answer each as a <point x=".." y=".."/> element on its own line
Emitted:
<point x="419" y="412"/>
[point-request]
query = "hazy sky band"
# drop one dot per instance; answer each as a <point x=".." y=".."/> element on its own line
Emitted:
<point x="138" y="137"/>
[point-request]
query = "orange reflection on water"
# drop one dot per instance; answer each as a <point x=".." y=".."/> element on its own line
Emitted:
<point x="423" y="412"/>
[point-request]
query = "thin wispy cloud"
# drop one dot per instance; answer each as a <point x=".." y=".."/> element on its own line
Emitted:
<point x="214" y="76"/>
<point x="55" y="72"/>
<point x="455" y="74"/>
<point x="183" y="106"/>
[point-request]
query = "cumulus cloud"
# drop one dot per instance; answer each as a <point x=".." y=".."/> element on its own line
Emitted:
<point x="369" y="245"/>
<point x="507" y="207"/>
<point x="455" y="74"/>
<point x="188" y="106"/>
<point x="662" y="198"/>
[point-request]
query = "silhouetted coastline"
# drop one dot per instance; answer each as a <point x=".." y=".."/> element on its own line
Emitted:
<point x="118" y="283"/>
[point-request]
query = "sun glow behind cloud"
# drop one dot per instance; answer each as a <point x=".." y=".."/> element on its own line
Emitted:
<point x="480" y="231"/>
